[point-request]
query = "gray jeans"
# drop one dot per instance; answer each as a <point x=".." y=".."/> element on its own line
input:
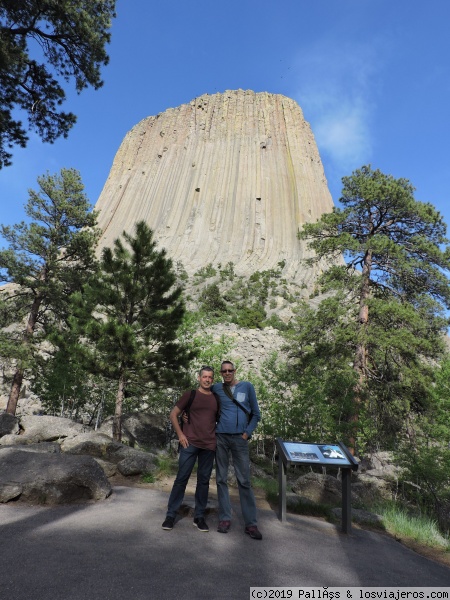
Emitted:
<point x="237" y="447"/>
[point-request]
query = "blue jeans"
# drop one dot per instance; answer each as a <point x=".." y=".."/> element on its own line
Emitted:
<point x="186" y="463"/>
<point x="238" y="448"/>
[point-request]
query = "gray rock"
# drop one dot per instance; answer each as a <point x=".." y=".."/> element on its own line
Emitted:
<point x="370" y="488"/>
<point x="381" y="465"/>
<point x="49" y="447"/>
<point x="91" y="443"/>
<point x="137" y="464"/>
<point x="143" y="429"/>
<point x="9" y="491"/>
<point x="109" y="468"/>
<point x="322" y="489"/>
<point x="47" y="478"/>
<point x="43" y="428"/>
<point x="129" y="461"/>
<point x="116" y="453"/>
<point x="9" y="424"/>
<point x="12" y="439"/>
<point x="293" y="500"/>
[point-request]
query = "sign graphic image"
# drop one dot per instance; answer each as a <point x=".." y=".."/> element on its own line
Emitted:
<point x="316" y="453"/>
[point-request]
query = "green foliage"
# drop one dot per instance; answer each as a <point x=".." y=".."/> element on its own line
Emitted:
<point x="206" y="272"/>
<point x="181" y="272"/>
<point x="247" y="297"/>
<point x="250" y="317"/>
<point x="305" y="406"/>
<point x="42" y="43"/>
<point x="384" y="309"/>
<point x="167" y="466"/>
<point x="211" y="301"/>
<point x="227" y="272"/>
<point x="207" y="348"/>
<point x="131" y="314"/>
<point x="425" y="453"/>
<point x="419" y="528"/>
<point x="47" y="260"/>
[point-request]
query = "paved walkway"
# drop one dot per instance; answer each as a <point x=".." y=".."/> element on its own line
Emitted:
<point x="116" y="550"/>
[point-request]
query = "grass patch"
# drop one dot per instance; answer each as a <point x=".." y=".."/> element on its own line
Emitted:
<point x="270" y="486"/>
<point x="167" y="466"/>
<point x="420" y="528"/>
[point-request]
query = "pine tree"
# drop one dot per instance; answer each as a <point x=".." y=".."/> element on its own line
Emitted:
<point x="43" y="42"/>
<point x="46" y="261"/>
<point x="132" y="313"/>
<point x="389" y="298"/>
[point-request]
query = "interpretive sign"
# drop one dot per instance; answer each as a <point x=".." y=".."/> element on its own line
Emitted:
<point x="322" y="454"/>
<point x="336" y="455"/>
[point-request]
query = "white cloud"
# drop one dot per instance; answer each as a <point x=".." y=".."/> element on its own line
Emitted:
<point x="338" y="87"/>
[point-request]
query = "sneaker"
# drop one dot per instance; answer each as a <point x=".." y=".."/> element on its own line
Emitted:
<point x="168" y="523"/>
<point x="200" y="523"/>
<point x="253" y="532"/>
<point x="224" y="526"/>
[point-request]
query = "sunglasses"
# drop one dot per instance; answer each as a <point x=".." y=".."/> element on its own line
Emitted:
<point x="227" y="371"/>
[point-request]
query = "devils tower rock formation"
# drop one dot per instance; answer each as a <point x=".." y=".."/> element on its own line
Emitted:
<point x="226" y="178"/>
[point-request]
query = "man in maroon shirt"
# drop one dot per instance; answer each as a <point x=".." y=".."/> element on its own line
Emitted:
<point x="197" y="441"/>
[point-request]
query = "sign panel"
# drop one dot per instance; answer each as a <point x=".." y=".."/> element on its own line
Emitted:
<point x="322" y="454"/>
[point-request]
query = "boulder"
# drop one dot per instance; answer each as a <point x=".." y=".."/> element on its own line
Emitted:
<point x="381" y="465"/>
<point x="91" y="443"/>
<point x="9" y="491"/>
<point x="129" y="461"/>
<point x="49" y="478"/>
<point x="293" y="501"/>
<point x="43" y="428"/>
<point x="322" y="489"/>
<point x="142" y="429"/>
<point x="49" y="447"/>
<point x="370" y="488"/>
<point x="12" y="439"/>
<point x="137" y="464"/>
<point x="109" y="468"/>
<point x="9" y="424"/>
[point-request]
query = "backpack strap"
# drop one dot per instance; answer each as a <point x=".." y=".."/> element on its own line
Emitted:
<point x="189" y="404"/>
<point x="216" y="396"/>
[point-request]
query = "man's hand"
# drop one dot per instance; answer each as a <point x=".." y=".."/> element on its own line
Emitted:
<point x="245" y="436"/>
<point x="183" y="440"/>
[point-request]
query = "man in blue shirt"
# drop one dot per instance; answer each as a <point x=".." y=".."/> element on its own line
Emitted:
<point x="238" y="418"/>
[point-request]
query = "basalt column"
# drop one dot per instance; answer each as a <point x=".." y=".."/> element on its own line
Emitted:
<point x="226" y="178"/>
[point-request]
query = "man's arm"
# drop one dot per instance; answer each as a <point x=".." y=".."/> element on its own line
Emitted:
<point x="174" y="414"/>
<point x="256" y="415"/>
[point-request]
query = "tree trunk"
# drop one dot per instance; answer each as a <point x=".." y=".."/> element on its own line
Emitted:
<point x="16" y="386"/>
<point x="360" y="364"/>
<point x="13" y="399"/>
<point x="117" y="421"/>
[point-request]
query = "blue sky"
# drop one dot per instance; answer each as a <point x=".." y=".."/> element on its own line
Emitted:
<point x="372" y="78"/>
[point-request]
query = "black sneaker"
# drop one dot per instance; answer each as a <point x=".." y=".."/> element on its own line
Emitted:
<point x="253" y="532"/>
<point x="200" y="523"/>
<point x="168" y="523"/>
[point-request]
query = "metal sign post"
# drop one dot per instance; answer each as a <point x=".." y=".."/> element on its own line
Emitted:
<point x="336" y="455"/>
